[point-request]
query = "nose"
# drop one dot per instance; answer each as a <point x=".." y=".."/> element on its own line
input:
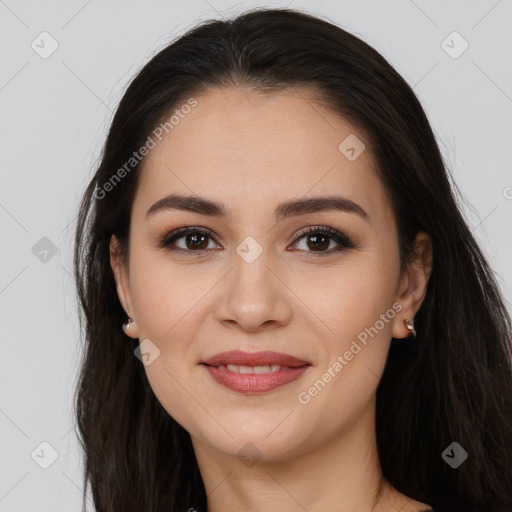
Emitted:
<point x="254" y="297"/>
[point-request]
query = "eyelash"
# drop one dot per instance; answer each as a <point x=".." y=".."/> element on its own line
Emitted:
<point x="341" y="239"/>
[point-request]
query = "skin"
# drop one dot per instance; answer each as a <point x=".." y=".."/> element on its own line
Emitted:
<point x="252" y="152"/>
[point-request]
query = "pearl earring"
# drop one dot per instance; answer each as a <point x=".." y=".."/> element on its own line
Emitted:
<point x="410" y="325"/>
<point x="126" y="325"/>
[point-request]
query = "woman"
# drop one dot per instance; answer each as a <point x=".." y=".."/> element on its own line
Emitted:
<point x="283" y="307"/>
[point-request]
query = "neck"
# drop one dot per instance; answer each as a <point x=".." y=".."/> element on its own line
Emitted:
<point x="341" y="474"/>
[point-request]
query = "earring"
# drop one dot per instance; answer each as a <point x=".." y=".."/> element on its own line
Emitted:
<point x="410" y="325"/>
<point x="126" y="325"/>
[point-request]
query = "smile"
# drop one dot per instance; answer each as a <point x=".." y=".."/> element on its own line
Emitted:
<point x="254" y="373"/>
<point x="251" y="369"/>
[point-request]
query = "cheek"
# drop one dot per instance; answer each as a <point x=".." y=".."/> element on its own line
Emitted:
<point x="347" y="298"/>
<point x="355" y="301"/>
<point x="164" y="294"/>
<point x="353" y="361"/>
<point x="166" y="300"/>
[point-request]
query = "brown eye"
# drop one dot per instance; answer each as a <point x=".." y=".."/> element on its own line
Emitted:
<point x="196" y="241"/>
<point x="322" y="240"/>
<point x="318" y="242"/>
<point x="188" y="239"/>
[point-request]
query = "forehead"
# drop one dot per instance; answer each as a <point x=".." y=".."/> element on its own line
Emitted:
<point x="245" y="148"/>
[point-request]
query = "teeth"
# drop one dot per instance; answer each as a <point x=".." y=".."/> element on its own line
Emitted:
<point x="251" y="369"/>
<point x="246" y="369"/>
<point x="260" y="369"/>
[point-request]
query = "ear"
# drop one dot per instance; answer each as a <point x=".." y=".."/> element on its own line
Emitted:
<point x="413" y="285"/>
<point x="122" y="284"/>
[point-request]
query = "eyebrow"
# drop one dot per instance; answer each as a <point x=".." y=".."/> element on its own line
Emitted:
<point x="283" y="211"/>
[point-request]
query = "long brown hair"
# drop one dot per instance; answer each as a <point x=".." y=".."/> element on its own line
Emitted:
<point x="454" y="384"/>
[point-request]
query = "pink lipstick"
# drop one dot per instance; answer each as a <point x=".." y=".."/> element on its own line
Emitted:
<point x="253" y="373"/>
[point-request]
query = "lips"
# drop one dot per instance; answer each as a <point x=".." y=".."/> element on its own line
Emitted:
<point x="253" y="373"/>
<point x="267" y="358"/>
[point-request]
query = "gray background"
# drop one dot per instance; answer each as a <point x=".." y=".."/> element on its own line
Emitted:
<point x="55" y="112"/>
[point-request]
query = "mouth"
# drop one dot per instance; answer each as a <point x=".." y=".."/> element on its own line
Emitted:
<point x="251" y="369"/>
<point x="254" y="373"/>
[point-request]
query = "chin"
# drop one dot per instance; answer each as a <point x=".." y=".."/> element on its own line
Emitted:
<point x="255" y="441"/>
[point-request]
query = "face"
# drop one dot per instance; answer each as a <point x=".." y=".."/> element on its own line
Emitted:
<point x="249" y="277"/>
